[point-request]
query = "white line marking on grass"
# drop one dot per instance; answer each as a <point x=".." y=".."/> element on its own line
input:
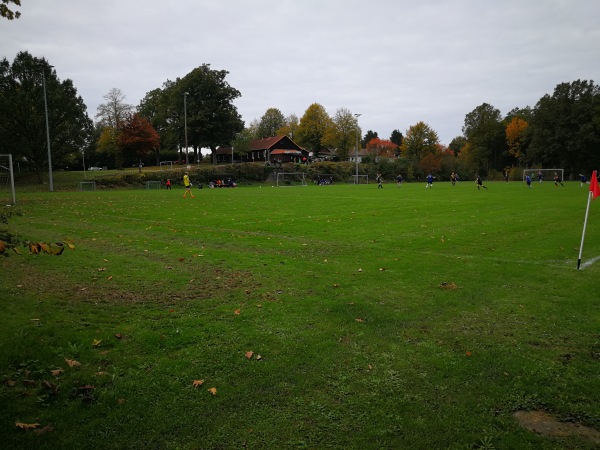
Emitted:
<point x="588" y="263"/>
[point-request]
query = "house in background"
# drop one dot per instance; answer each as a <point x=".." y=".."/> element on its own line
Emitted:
<point x="274" y="149"/>
<point x="362" y="152"/>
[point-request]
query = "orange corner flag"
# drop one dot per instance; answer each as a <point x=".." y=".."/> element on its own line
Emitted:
<point x="594" y="188"/>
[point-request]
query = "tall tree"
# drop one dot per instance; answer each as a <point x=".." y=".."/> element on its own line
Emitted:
<point x="137" y="138"/>
<point x="342" y="133"/>
<point x="270" y="123"/>
<point x="566" y="127"/>
<point x="368" y="138"/>
<point x="155" y="107"/>
<point x="419" y="141"/>
<point x="8" y="13"/>
<point x="457" y="144"/>
<point x="290" y="127"/>
<point x="396" y="137"/>
<point x="23" y="114"/>
<point x="312" y="128"/>
<point x="213" y="119"/>
<point x="115" y="111"/>
<point x="516" y="139"/>
<point x="485" y="131"/>
<point x="381" y="148"/>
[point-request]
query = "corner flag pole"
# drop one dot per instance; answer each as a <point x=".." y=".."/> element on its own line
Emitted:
<point x="594" y="192"/>
<point x="587" y="210"/>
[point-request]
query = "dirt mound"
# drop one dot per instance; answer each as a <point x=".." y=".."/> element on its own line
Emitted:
<point x="547" y="425"/>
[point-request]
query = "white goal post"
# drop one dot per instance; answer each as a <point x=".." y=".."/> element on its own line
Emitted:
<point x="167" y="164"/>
<point x="152" y="184"/>
<point x="360" y="179"/>
<point x="291" y="179"/>
<point x="546" y="174"/>
<point x="7" y="178"/>
<point x="87" y="186"/>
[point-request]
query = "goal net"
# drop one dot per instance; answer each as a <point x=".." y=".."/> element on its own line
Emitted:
<point x="87" y="185"/>
<point x="543" y="174"/>
<point x="7" y="180"/>
<point x="359" y="179"/>
<point x="152" y="184"/>
<point x="291" y="179"/>
<point x="168" y="165"/>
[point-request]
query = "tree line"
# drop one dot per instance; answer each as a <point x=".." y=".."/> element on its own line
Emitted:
<point x="196" y="111"/>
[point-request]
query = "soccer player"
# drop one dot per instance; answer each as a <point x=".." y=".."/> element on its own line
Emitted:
<point x="399" y="180"/>
<point x="582" y="179"/>
<point x="429" y="181"/>
<point x="540" y="176"/>
<point x="479" y="183"/>
<point x="528" y="181"/>
<point x="557" y="180"/>
<point x="453" y="178"/>
<point x="188" y="186"/>
<point x="379" y="181"/>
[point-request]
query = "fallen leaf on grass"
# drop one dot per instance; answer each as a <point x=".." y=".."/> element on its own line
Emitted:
<point x="118" y="335"/>
<point x="56" y="372"/>
<point x="71" y="246"/>
<point x="213" y="390"/>
<point x="101" y="374"/>
<point x="359" y="320"/>
<point x="445" y="285"/>
<point x="96" y="342"/>
<point x="197" y="383"/>
<point x="468" y="353"/>
<point x="249" y="354"/>
<point x="237" y="312"/>
<point x="109" y="278"/>
<point x="46" y="429"/>
<point x="27" y="426"/>
<point x="53" y="388"/>
<point x="120" y="401"/>
<point x="10" y="383"/>
<point x="72" y="363"/>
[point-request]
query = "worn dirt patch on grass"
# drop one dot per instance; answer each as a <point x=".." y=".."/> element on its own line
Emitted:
<point x="547" y="425"/>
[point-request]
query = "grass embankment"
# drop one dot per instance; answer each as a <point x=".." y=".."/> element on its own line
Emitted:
<point x="390" y="318"/>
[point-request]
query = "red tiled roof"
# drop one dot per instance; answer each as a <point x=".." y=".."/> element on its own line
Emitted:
<point x="265" y="143"/>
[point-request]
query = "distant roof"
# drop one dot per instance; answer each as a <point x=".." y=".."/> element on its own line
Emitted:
<point x="274" y="142"/>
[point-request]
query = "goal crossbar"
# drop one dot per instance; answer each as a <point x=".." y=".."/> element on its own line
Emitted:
<point x="285" y="179"/>
<point x="533" y="173"/>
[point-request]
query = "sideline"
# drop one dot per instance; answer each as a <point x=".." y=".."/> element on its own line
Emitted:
<point x="589" y="262"/>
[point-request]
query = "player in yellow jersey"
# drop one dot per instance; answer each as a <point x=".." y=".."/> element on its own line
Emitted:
<point x="188" y="186"/>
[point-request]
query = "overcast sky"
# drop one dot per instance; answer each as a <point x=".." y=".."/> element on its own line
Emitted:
<point x="396" y="62"/>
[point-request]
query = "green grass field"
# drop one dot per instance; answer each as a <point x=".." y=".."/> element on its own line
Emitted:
<point x="376" y="318"/>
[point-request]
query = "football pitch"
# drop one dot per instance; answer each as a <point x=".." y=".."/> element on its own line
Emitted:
<point x="340" y="316"/>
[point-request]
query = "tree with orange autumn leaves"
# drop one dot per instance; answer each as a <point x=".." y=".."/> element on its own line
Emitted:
<point x="381" y="148"/>
<point x="137" y="138"/>
<point x="515" y="137"/>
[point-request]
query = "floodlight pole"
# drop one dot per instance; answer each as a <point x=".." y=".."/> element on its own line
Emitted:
<point x="356" y="154"/>
<point x="50" y="180"/>
<point x="185" y="94"/>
